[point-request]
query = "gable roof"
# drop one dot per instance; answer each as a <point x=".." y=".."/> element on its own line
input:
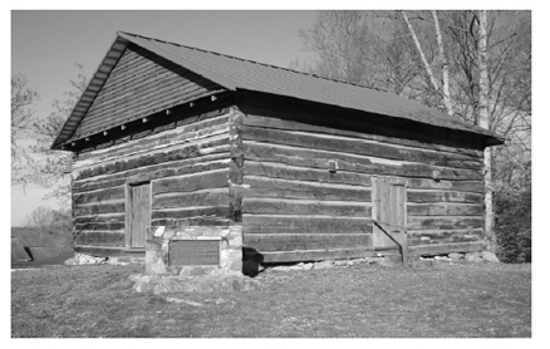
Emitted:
<point x="234" y="74"/>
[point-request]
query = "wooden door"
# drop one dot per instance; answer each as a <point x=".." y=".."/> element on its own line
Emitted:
<point x="389" y="213"/>
<point x="138" y="214"/>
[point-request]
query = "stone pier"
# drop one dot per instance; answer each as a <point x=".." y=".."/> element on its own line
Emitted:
<point x="193" y="250"/>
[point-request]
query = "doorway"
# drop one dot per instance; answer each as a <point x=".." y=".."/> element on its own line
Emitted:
<point x="138" y="214"/>
<point x="389" y="213"/>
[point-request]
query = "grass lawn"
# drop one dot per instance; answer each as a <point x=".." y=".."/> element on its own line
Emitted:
<point x="446" y="300"/>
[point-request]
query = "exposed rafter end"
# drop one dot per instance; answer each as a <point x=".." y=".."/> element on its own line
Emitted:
<point x="144" y="120"/>
<point x="191" y="104"/>
<point x="105" y="133"/>
<point x="168" y="112"/>
<point x="87" y="139"/>
<point x="123" y="127"/>
<point x="213" y="98"/>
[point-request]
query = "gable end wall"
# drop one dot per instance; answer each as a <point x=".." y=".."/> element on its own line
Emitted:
<point x="141" y="84"/>
<point x="188" y="167"/>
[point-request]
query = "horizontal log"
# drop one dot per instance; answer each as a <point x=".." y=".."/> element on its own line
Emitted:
<point x="100" y="226"/>
<point x="291" y="242"/>
<point x="116" y="217"/>
<point x="110" y="207"/>
<point x="213" y="145"/>
<point x="314" y="158"/>
<point x="432" y="250"/>
<point x="275" y="170"/>
<point x="286" y="224"/>
<point x="441" y="223"/>
<point x="199" y="220"/>
<point x="466" y="186"/>
<point x="193" y="182"/>
<point x="443" y="196"/>
<point x="444" y="210"/>
<point x="82" y="187"/>
<point x="358" y="146"/>
<point x="163" y="170"/>
<point x="266" y="187"/>
<point x="184" y="169"/>
<point x="428" y="237"/>
<point x="316" y="255"/>
<point x="346" y="119"/>
<point x="100" y="195"/>
<point x="293" y="156"/>
<point x="100" y="238"/>
<point x="189" y="212"/>
<point x="104" y="251"/>
<point x="306" y="207"/>
<point x="292" y="125"/>
<point x="207" y="197"/>
<point x="186" y="133"/>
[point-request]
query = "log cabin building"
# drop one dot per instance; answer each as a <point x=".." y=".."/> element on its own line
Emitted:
<point x="311" y="168"/>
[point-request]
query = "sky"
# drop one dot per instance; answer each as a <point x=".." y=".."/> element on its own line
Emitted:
<point x="47" y="45"/>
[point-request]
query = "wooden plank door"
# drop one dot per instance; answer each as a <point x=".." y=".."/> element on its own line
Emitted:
<point x="138" y="214"/>
<point x="389" y="213"/>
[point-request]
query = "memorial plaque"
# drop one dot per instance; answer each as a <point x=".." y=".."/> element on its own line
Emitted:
<point x="194" y="252"/>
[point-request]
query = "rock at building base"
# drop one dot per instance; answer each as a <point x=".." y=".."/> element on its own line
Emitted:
<point x="443" y="259"/>
<point x="473" y="257"/>
<point x="125" y="260"/>
<point x="157" y="284"/>
<point x="477" y="257"/>
<point x="84" y="259"/>
<point x="489" y="257"/>
<point x="324" y="264"/>
<point x="456" y="256"/>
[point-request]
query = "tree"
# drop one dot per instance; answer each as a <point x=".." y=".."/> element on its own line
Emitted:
<point x="484" y="123"/>
<point x="54" y="169"/>
<point x="352" y="46"/>
<point x="48" y="218"/>
<point x="22" y="100"/>
<point x="470" y="64"/>
<point x="50" y="227"/>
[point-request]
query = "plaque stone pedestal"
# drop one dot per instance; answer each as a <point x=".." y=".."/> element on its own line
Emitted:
<point x="193" y="250"/>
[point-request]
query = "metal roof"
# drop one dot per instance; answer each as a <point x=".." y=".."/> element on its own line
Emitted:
<point x="236" y="73"/>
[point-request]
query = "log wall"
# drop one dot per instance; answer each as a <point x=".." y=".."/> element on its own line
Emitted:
<point x="188" y="166"/>
<point x="295" y="208"/>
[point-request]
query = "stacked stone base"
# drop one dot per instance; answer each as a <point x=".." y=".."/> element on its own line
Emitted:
<point x="220" y="281"/>
<point x="158" y="250"/>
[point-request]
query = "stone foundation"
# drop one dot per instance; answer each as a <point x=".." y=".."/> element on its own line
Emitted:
<point x="219" y="281"/>
<point x="193" y="250"/>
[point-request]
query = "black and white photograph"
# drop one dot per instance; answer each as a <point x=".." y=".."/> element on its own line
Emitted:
<point x="272" y="173"/>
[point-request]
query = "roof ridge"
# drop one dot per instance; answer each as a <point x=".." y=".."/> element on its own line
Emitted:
<point x="252" y="61"/>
